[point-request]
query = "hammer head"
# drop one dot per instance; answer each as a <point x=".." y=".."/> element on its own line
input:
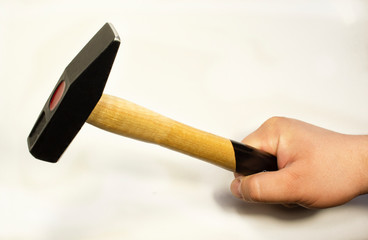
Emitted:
<point x="74" y="97"/>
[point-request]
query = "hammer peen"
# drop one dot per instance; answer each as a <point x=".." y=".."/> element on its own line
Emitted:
<point x="78" y="97"/>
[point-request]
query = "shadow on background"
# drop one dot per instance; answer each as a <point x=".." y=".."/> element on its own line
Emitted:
<point x="361" y="201"/>
<point x="229" y="203"/>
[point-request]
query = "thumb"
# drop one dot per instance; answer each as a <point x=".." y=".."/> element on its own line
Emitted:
<point x="267" y="187"/>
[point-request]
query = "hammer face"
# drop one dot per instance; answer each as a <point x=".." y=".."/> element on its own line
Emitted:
<point x="74" y="96"/>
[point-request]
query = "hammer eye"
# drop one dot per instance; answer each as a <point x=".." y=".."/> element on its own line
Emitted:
<point x="57" y="95"/>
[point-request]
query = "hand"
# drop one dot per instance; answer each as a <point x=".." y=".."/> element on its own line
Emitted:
<point x="318" y="168"/>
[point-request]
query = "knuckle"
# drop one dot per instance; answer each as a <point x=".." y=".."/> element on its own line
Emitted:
<point x="267" y="136"/>
<point x="275" y="121"/>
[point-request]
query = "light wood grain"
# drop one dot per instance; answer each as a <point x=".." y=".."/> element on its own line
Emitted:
<point x="128" y="119"/>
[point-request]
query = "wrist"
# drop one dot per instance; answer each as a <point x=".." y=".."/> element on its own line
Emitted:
<point x="363" y="162"/>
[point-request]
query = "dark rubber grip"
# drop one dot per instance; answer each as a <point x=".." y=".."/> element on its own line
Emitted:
<point x="250" y="160"/>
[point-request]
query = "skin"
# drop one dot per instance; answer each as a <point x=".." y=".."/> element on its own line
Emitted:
<point x="318" y="168"/>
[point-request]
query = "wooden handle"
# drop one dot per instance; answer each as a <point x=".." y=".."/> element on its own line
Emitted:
<point x="128" y="119"/>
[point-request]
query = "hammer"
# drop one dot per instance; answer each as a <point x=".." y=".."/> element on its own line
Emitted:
<point x="78" y="97"/>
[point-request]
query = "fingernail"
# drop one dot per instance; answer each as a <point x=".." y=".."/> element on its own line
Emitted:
<point x="240" y="188"/>
<point x="236" y="187"/>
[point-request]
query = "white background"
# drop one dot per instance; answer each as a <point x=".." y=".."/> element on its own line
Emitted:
<point x="223" y="66"/>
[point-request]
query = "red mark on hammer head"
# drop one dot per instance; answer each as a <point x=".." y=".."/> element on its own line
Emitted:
<point x="57" y="95"/>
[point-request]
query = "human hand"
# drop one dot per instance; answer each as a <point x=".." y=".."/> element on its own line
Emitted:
<point x="318" y="168"/>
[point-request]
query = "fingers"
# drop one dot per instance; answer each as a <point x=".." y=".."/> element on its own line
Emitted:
<point x="267" y="187"/>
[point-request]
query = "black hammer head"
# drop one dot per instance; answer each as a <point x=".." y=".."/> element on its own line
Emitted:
<point x="74" y="96"/>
